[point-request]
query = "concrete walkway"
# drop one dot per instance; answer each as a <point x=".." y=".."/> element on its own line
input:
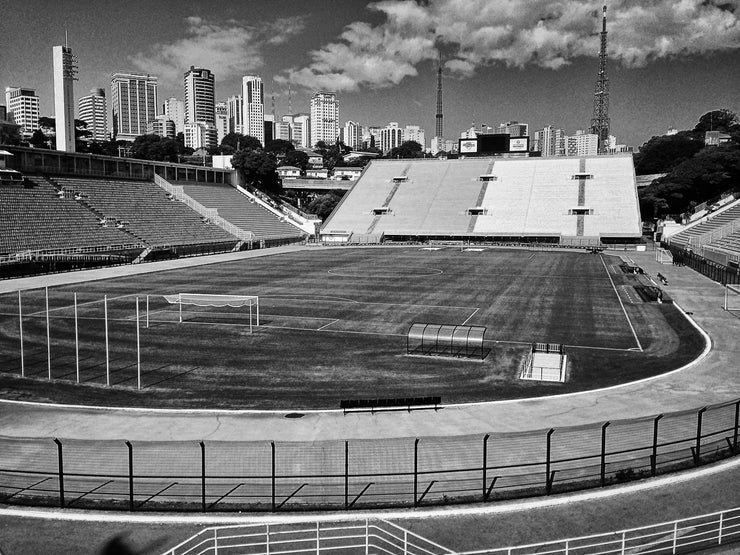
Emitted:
<point x="713" y="379"/>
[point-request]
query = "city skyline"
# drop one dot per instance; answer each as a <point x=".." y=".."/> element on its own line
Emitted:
<point x="687" y="67"/>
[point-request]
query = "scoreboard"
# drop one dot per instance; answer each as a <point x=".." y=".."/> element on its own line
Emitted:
<point x="498" y="143"/>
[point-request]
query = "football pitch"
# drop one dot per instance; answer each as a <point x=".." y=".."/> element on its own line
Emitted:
<point x="332" y="326"/>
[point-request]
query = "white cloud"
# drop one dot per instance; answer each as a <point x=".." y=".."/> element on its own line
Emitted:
<point x="228" y="48"/>
<point x="517" y="33"/>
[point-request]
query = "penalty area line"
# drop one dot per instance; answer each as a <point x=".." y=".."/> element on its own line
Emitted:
<point x="469" y="317"/>
<point x="634" y="333"/>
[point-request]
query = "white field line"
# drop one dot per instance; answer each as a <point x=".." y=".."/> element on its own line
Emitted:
<point x="327" y="325"/>
<point x="469" y="317"/>
<point x="634" y="333"/>
<point x="411" y="305"/>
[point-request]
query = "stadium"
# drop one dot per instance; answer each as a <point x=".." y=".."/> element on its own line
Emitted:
<point x="457" y="332"/>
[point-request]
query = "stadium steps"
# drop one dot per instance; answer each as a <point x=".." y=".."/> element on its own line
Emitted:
<point x="240" y="210"/>
<point x="149" y="214"/>
<point x="36" y="219"/>
<point x="713" y="223"/>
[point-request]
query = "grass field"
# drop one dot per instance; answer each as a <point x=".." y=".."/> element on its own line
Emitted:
<point x="333" y="326"/>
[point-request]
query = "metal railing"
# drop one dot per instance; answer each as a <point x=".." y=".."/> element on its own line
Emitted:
<point x="210" y="213"/>
<point x="715" y="235"/>
<point x="361" y="537"/>
<point x="379" y="536"/>
<point x="335" y="474"/>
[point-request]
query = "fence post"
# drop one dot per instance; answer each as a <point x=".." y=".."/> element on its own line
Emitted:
<point x="697" y="453"/>
<point x="203" y="475"/>
<point x="130" y="475"/>
<point x="61" y="472"/>
<point x="20" y="331"/>
<point x="737" y="417"/>
<point x="346" y="475"/>
<point x="719" y="530"/>
<point x="367" y="536"/>
<point x="548" y="482"/>
<point x="416" y="468"/>
<point x="603" y="452"/>
<point x="485" y="466"/>
<point x="654" y="457"/>
<point x="272" y="447"/>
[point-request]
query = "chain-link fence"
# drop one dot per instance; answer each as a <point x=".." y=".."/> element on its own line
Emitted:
<point x="275" y="475"/>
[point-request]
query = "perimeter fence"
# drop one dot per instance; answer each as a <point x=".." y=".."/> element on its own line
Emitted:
<point x="393" y="472"/>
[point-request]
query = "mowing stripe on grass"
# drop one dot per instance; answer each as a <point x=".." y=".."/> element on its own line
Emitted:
<point x="634" y="333"/>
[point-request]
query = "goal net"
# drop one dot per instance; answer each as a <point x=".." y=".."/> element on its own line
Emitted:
<point x="732" y="299"/>
<point x="215" y="309"/>
<point x="663" y="256"/>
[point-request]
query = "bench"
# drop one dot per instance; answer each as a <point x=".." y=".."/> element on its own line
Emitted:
<point x="389" y="404"/>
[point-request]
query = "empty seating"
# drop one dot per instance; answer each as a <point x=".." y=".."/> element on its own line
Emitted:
<point x="713" y="223"/>
<point x="148" y="213"/>
<point x="568" y="197"/>
<point x="238" y="209"/>
<point x="35" y="218"/>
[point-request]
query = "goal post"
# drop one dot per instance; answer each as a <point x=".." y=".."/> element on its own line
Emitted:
<point x="216" y="301"/>
<point x="732" y="297"/>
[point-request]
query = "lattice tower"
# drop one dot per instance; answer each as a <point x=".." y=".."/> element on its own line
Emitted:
<point x="600" y="119"/>
<point x="438" y="130"/>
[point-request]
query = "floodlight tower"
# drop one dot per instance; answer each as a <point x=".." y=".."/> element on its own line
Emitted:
<point x="600" y="119"/>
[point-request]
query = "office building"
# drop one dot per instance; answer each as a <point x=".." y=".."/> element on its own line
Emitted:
<point x="415" y="133"/>
<point x="391" y="136"/>
<point x="22" y="107"/>
<point x="352" y="135"/>
<point x="200" y="135"/>
<point x="302" y="130"/>
<point x="234" y="114"/>
<point x="93" y="110"/>
<point x="514" y="128"/>
<point x="550" y="141"/>
<point x="200" y="100"/>
<point x="253" y="112"/>
<point x="162" y="126"/>
<point x="268" y="127"/>
<point x="582" y="144"/>
<point x="222" y="121"/>
<point x="324" y="118"/>
<point x="133" y="102"/>
<point x="174" y="109"/>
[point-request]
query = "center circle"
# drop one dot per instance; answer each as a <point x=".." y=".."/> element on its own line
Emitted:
<point x="385" y="272"/>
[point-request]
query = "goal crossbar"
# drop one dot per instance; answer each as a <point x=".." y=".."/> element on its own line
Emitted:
<point x="213" y="300"/>
<point x="732" y="297"/>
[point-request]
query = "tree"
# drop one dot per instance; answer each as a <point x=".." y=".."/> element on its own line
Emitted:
<point x="155" y="147"/>
<point x="39" y="139"/>
<point x="323" y="205"/>
<point x="10" y="135"/>
<point x="407" y="149"/>
<point x="296" y="158"/>
<point x="258" y="169"/>
<point x="722" y="120"/>
<point x="236" y="141"/>
<point x="279" y="147"/>
<point x="662" y="154"/>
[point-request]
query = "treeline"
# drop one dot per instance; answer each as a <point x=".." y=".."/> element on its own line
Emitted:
<point x="695" y="172"/>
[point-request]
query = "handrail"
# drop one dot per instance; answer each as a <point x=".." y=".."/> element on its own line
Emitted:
<point x="714" y="235"/>
<point x="210" y="213"/>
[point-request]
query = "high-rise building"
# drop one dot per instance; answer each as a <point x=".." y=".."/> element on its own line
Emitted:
<point x="93" y="110"/>
<point x="284" y="128"/>
<point x="234" y="114"/>
<point x="302" y="130"/>
<point x="391" y="136"/>
<point x="162" y="126"/>
<point x="65" y="74"/>
<point x="253" y="94"/>
<point x="371" y="137"/>
<point x="200" y="99"/>
<point x="22" y="106"/>
<point x="174" y="109"/>
<point x="550" y="141"/>
<point x="324" y="118"/>
<point x="134" y="103"/>
<point x="582" y="144"/>
<point x="269" y="127"/>
<point x="222" y="120"/>
<point x="414" y="133"/>
<point x="352" y="135"/>
<point x="514" y="128"/>
<point x="200" y="135"/>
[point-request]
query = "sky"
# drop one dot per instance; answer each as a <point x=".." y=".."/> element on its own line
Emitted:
<point x="533" y="61"/>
